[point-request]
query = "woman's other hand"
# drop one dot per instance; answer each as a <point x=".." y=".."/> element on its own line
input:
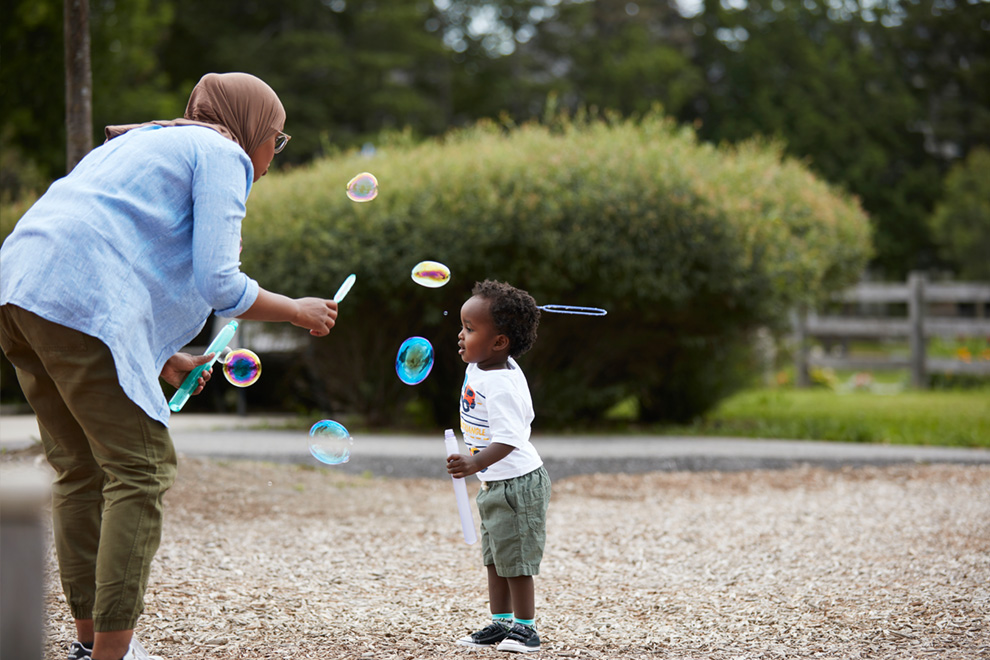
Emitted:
<point x="179" y="365"/>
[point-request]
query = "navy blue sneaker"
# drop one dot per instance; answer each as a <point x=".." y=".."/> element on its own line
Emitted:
<point x="490" y="635"/>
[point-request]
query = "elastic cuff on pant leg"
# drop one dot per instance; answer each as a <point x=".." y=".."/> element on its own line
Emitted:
<point x="113" y="625"/>
<point x="81" y="611"/>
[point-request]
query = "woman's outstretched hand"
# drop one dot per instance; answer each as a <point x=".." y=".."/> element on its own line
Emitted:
<point x="317" y="315"/>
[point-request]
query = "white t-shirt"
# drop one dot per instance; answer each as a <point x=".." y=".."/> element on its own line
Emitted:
<point x="496" y="407"/>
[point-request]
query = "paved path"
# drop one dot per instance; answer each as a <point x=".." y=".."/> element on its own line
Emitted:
<point x="220" y="436"/>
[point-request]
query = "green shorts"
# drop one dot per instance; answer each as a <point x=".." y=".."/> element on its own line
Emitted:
<point x="514" y="523"/>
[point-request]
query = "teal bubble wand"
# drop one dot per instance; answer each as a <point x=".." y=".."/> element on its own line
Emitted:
<point x="189" y="384"/>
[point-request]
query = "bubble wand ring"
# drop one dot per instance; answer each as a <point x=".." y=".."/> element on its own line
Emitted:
<point x="570" y="309"/>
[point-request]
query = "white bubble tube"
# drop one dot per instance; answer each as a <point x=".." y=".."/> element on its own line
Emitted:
<point x="460" y="492"/>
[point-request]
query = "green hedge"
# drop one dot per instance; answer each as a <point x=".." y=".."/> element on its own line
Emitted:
<point x="689" y="247"/>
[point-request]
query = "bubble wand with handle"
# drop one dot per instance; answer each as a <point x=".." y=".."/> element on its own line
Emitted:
<point x="189" y="384"/>
<point x="460" y="492"/>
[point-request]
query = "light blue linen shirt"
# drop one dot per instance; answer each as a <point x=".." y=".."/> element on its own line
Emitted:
<point x="136" y="246"/>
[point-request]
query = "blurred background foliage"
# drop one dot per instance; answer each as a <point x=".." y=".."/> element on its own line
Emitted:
<point x="961" y="222"/>
<point x="689" y="247"/>
<point x="881" y="98"/>
<point x="725" y="160"/>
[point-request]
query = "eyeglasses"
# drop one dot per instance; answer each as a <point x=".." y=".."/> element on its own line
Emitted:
<point x="281" y="140"/>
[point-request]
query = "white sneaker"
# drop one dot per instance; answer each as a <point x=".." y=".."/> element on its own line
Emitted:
<point x="138" y="652"/>
<point x="521" y="639"/>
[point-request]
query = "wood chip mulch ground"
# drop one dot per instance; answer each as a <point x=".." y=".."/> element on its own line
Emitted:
<point x="276" y="561"/>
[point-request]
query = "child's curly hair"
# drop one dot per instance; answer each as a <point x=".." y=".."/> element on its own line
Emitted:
<point x="514" y="313"/>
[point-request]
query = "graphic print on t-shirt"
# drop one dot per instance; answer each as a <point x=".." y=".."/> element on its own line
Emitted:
<point x="467" y="399"/>
<point x="474" y="427"/>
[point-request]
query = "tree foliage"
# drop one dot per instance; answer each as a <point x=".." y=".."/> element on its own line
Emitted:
<point x="344" y="71"/>
<point x="879" y="97"/>
<point x="961" y="222"/>
<point x="857" y="91"/>
<point x="32" y="106"/>
<point x="129" y="82"/>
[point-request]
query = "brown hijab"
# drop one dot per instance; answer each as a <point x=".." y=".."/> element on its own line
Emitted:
<point x="239" y="106"/>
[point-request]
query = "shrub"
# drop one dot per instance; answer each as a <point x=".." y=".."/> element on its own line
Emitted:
<point x="690" y="247"/>
<point x="961" y="221"/>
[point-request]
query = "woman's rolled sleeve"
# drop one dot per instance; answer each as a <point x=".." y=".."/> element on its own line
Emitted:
<point x="221" y="184"/>
<point x="243" y="304"/>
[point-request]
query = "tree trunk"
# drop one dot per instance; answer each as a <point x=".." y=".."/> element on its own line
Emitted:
<point x="78" y="83"/>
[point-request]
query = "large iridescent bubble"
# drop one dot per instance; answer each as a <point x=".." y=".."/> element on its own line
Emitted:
<point x="414" y="360"/>
<point x="330" y="443"/>
<point x="242" y="367"/>
<point x="431" y="274"/>
<point x="362" y="188"/>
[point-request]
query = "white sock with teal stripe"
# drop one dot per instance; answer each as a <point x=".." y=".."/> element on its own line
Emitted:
<point x="504" y="619"/>
<point x="531" y="623"/>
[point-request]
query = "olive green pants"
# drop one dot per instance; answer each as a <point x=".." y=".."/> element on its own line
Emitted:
<point x="112" y="465"/>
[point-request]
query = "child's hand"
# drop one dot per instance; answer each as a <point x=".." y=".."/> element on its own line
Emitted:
<point x="459" y="466"/>
<point x="178" y="366"/>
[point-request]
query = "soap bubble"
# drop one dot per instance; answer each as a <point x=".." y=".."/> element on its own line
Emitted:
<point x="414" y="360"/>
<point x="362" y="188"/>
<point x="242" y="367"/>
<point x="432" y="274"/>
<point x="330" y="443"/>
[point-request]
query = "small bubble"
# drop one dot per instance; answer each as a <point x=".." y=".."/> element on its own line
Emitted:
<point x="330" y="443"/>
<point x="362" y="188"/>
<point x="431" y="274"/>
<point x="414" y="360"/>
<point x="242" y="367"/>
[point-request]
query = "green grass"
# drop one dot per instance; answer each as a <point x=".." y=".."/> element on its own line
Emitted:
<point x="957" y="418"/>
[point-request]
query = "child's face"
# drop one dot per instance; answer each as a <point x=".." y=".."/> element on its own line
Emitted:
<point x="479" y="342"/>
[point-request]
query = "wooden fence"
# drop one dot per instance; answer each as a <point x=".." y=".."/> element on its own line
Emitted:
<point x="933" y="310"/>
